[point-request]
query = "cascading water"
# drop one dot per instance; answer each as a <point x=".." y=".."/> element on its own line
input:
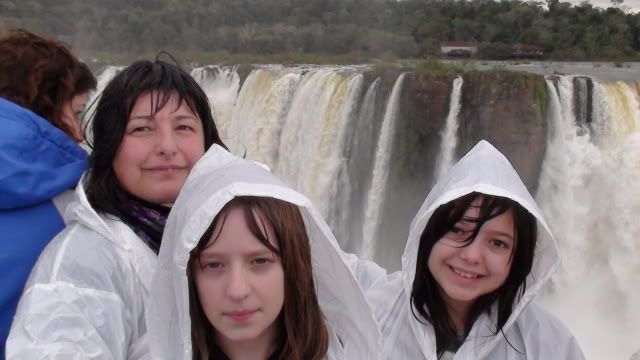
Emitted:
<point x="375" y="195"/>
<point x="310" y="152"/>
<point x="221" y="84"/>
<point x="261" y="108"/>
<point x="450" y="132"/>
<point x="593" y="217"/>
<point x="315" y="128"/>
<point x="352" y="194"/>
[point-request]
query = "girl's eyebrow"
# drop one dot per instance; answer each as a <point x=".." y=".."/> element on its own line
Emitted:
<point x="502" y="233"/>
<point x="254" y="253"/>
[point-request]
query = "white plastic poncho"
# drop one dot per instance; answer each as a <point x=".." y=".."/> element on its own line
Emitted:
<point x="532" y="333"/>
<point x="86" y="295"/>
<point x="216" y="179"/>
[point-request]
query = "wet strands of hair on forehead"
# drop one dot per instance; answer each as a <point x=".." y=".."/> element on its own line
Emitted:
<point x="428" y="305"/>
<point x="489" y="208"/>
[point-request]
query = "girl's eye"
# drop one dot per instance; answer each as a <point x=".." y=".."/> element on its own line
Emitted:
<point x="457" y="233"/>
<point x="457" y="230"/>
<point x="499" y="243"/>
<point x="212" y="265"/>
<point x="261" y="261"/>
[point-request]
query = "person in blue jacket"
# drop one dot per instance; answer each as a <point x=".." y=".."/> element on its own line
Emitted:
<point x="43" y="90"/>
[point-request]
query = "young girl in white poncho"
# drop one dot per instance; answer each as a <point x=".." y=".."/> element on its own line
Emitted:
<point x="477" y="254"/>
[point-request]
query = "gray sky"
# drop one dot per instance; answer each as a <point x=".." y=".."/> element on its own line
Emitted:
<point x="634" y="5"/>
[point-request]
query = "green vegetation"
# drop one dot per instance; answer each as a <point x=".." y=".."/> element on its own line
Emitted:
<point x="327" y="31"/>
<point x="437" y="67"/>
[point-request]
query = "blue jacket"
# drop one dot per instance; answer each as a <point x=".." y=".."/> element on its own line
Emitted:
<point x="37" y="162"/>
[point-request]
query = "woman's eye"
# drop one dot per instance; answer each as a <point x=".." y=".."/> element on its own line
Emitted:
<point x="139" y="129"/>
<point x="185" y="127"/>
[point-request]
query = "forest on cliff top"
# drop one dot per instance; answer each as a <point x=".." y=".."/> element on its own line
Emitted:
<point x="354" y="29"/>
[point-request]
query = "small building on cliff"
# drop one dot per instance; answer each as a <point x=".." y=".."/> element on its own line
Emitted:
<point x="458" y="49"/>
<point x="527" y="51"/>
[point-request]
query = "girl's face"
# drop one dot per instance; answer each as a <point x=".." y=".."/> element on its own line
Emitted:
<point x="464" y="273"/>
<point x="158" y="151"/>
<point x="240" y="283"/>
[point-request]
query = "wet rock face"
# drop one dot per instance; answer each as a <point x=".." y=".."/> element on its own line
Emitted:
<point x="508" y="110"/>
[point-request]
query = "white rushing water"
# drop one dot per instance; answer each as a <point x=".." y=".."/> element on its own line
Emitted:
<point x="221" y="84"/>
<point x="589" y="193"/>
<point x="316" y="128"/>
<point x="375" y="195"/>
<point x="449" y="134"/>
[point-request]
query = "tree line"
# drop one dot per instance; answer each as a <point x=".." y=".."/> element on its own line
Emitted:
<point x="369" y="28"/>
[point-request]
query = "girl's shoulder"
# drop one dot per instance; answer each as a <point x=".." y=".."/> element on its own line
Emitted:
<point x="547" y="334"/>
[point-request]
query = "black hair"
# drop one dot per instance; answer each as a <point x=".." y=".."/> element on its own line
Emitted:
<point x="111" y="114"/>
<point x="426" y="298"/>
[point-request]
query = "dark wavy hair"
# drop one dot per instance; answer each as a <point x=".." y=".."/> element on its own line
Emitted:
<point x="426" y="297"/>
<point x="111" y="115"/>
<point x="41" y="75"/>
<point x="302" y="331"/>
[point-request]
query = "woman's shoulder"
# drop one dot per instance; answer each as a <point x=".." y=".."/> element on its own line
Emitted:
<point x="88" y="257"/>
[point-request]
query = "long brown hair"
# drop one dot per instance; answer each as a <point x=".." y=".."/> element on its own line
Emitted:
<point x="303" y="333"/>
<point x="41" y="75"/>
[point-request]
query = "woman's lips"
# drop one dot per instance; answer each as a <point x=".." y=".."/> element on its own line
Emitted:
<point x="165" y="168"/>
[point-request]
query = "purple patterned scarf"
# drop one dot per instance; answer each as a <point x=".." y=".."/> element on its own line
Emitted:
<point x="147" y="220"/>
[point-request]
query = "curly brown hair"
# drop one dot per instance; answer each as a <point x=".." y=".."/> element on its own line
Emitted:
<point x="41" y="75"/>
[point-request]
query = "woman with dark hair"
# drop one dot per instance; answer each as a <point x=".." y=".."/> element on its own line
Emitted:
<point x="478" y="252"/>
<point x="249" y="270"/>
<point x="87" y="294"/>
<point x="43" y="91"/>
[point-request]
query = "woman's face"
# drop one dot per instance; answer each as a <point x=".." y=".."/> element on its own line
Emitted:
<point x="240" y="283"/>
<point x="464" y="273"/>
<point x="158" y="151"/>
<point x="72" y="112"/>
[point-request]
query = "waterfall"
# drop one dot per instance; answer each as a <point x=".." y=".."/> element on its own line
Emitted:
<point x="377" y="188"/>
<point x="361" y="140"/>
<point x="262" y="107"/>
<point x="318" y="129"/>
<point x="313" y="134"/>
<point x="221" y="84"/>
<point x="450" y="132"/>
<point x="588" y="192"/>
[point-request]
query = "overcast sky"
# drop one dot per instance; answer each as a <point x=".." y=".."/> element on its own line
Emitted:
<point x="632" y="4"/>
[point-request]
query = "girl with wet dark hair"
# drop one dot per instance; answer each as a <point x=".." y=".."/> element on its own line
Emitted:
<point x="478" y="252"/>
<point x="87" y="294"/>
